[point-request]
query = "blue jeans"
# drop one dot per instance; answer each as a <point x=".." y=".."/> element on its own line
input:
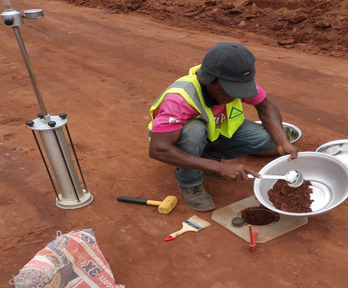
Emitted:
<point x="249" y="138"/>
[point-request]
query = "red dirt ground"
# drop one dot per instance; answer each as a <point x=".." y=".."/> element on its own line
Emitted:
<point x="105" y="69"/>
<point x="315" y="26"/>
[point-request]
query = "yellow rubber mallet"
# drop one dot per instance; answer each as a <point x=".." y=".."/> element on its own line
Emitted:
<point x="164" y="207"/>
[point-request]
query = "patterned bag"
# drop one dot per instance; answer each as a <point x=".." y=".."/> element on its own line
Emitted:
<point x="72" y="260"/>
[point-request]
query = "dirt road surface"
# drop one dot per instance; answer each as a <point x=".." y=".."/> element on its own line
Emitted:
<point x="105" y="70"/>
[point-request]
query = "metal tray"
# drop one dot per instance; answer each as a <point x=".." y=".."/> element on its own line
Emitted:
<point x="294" y="133"/>
<point x="337" y="148"/>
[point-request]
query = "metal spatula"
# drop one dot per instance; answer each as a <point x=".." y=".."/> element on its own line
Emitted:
<point x="293" y="178"/>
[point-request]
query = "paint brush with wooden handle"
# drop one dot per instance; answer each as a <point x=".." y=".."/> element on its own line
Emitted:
<point x="193" y="224"/>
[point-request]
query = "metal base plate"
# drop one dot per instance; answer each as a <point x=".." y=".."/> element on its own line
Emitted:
<point x="74" y="204"/>
<point x="268" y="232"/>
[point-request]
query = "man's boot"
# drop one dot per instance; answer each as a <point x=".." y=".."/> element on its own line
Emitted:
<point x="197" y="198"/>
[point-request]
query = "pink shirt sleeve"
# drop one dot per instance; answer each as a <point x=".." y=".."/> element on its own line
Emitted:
<point x="257" y="99"/>
<point x="172" y="114"/>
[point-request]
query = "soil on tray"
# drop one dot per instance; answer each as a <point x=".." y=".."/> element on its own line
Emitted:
<point x="295" y="200"/>
<point x="259" y="216"/>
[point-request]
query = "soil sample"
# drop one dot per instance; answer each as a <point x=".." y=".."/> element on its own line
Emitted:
<point x="295" y="200"/>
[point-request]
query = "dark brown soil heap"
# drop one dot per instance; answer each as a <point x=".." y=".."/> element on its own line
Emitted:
<point x="296" y="200"/>
<point x="259" y="216"/>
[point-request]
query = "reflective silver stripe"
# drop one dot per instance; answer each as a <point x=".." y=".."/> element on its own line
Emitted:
<point x="192" y="92"/>
<point x="154" y="103"/>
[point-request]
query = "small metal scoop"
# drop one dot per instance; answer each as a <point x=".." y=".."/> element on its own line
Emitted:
<point x="293" y="178"/>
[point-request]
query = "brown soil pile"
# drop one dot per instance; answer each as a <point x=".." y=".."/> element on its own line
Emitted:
<point x="296" y="200"/>
<point x="314" y="26"/>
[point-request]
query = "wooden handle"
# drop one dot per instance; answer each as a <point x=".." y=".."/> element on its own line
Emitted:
<point x="185" y="228"/>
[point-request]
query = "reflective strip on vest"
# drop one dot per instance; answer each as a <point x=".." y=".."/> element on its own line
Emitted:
<point x="189" y="88"/>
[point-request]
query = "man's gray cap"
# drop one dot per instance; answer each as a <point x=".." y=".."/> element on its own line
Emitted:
<point x="234" y="66"/>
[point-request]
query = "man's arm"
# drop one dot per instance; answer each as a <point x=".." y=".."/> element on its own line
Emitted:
<point x="272" y="121"/>
<point x="162" y="148"/>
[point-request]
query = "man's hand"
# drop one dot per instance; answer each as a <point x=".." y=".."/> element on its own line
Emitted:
<point x="237" y="172"/>
<point x="288" y="148"/>
<point x="272" y="121"/>
<point x="163" y="149"/>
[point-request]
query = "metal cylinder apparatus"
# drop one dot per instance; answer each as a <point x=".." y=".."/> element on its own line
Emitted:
<point x="52" y="136"/>
<point x="50" y="128"/>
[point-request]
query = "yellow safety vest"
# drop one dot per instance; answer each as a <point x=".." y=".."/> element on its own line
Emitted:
<point x="189" y="88"/>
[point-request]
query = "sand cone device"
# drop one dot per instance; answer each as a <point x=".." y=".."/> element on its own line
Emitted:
<point x="50" y="128"/>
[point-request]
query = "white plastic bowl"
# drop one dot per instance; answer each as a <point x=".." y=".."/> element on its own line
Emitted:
<point x="328" y="175"/>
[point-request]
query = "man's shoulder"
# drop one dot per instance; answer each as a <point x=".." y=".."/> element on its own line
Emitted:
<point x="176" y="106"/>
<point x="175" y="97"/>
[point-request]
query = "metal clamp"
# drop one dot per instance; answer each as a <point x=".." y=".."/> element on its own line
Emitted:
<point x="14" y="18"/>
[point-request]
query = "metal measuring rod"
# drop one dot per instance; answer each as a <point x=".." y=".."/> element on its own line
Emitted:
<point x="50" y="128"/>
